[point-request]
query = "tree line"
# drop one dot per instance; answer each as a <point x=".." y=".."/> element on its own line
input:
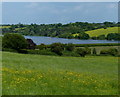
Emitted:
<point x="58" y="30"/>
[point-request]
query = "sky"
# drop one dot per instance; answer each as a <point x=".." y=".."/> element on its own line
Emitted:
<point x="58" y="12"/>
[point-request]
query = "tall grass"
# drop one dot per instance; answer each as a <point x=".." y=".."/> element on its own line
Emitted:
<point x="25" y="74"/>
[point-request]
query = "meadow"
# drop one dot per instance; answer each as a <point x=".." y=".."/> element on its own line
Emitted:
<point x="24" y="74"/>
<point x="102" y="31"/>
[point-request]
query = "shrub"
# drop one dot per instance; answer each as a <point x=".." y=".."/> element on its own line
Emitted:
<point x="94" y="38"/>
<point x="88" y="50"/>
<point x="70" y="47"/>
<point x="57" y="48"/>
<point x="81" y="51"/>
<point x="105" y="52"/>
<point x="101" y="37"/>
<point x="111" y="51"/>
<point x="23" y="51"/>
<point x="41" y="46"/>
<point x="14" y="41"/>
<point x="83" y="36"/>
<point x="113" y="36"/>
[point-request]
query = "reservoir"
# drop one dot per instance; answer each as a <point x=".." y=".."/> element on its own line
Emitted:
<point x="49" y="40"/>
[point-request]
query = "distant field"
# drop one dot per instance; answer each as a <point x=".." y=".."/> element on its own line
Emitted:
<point x="25" y="74"/>
<point x="101" y="31"/>
<point x="5" y="26"/>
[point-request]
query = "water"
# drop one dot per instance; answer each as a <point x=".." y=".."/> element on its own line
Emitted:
<point x="49" y="40"/>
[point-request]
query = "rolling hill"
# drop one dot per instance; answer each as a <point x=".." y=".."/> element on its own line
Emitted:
<point x="102" y="31"/>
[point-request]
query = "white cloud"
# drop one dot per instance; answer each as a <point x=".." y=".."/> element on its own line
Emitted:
<point x="32" y="5"/>
<point x="78" y="7"/>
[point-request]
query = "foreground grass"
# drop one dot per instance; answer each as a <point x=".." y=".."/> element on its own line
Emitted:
<point x="51" y="75"/>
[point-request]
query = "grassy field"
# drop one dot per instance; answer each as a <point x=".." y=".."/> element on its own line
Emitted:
<point x="51" y="75"/>
<point x="4" y="26"/>
<point x="101" y="31"/>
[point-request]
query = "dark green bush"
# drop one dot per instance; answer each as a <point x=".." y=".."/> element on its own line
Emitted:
<point x="83" y="36"/>
<point x="81" y="51"/>
<point x="23" y="51"/>
<point x="69" y="47"/>
<point x="41" y="46"/>
<point x="88" y="50"/>
<point x="101" y="37"/>
<point x="57" y="48"/>
<point x="113" y="36"/>
<point x="105" y="52"/>
<point x="111" y="51"/>
<point x="14" y="41"/>
<point x="94" y="38"/>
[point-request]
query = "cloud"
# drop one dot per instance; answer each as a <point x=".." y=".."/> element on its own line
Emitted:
<point x="78" y="7"/>
<point x="32" y="5"/>
<point x="112" y="5"/>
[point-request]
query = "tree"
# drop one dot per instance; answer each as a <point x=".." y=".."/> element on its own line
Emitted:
<point x="113" y="36"/>
<point x="57" y="48"/>
<point x="14" y="41"/>
<point x="113" y="51"/>
<point x="41" y="46"/>
<point x="88" y="50"/>
<point x="110" y="36"/>
<point x="94" y="38"/>
<point x="83" y="36"/>
<point x="94" y="51"/>
<point x="81" y="51"/>
<point x="101" y="37"/>
<point x="70" y="47"/>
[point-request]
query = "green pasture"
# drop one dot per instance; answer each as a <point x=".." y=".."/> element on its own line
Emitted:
<point x="5" y="26"/>
<point x="25" y="74"/>
<point x="101" y="31"/>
